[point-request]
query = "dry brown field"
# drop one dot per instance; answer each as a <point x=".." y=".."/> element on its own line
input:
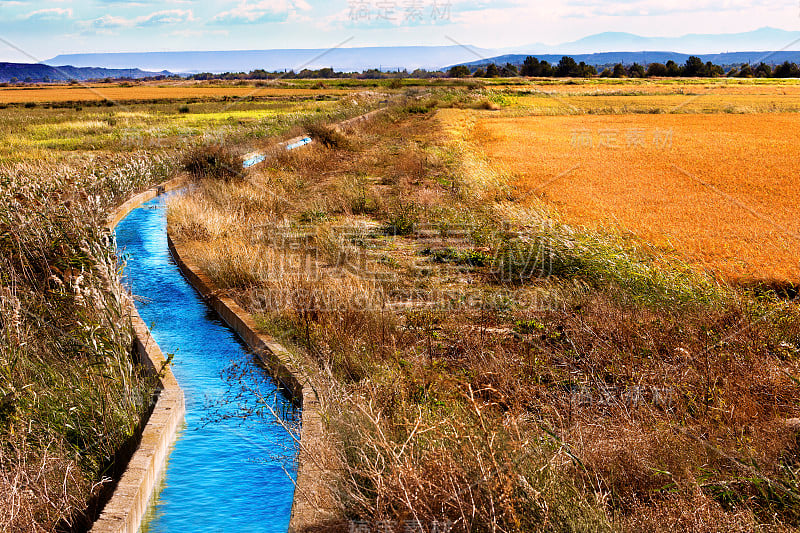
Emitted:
<point x="718" y="189"/>
<point x="118" y="93"/>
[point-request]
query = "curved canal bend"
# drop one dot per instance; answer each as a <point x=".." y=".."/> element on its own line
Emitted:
<point x="224" y="472"/>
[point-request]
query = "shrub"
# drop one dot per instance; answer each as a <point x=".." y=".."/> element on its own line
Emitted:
<point x="475" y="258"/>
<point x="402" y="221"/>
<point x="361" y="204"/>
<point x="327" y="135"/>
<point x="213" y="161"/>
<point x="597" y="261"/>
<point x="183" y="109"/>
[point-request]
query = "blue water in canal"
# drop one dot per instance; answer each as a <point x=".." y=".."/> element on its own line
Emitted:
<point x="226" y="472"/>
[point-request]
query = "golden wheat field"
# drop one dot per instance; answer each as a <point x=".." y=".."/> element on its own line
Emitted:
<point x="720" y="189"/>
<point x="144" y="92"/>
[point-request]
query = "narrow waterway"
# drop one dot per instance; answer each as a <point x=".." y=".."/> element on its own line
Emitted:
<point x="226" y="472"/>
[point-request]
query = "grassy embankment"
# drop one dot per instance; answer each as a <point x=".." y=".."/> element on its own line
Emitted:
<point x="71" y="396"/>
<point x="484" y="363"/>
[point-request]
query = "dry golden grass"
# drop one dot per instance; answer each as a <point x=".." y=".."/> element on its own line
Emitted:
<point x="615" y="103"/>
<point x="584" y="410"/>
<point x="143" y="92"/>
<point x="720" y="189"/>
<point x="647" y="96"/>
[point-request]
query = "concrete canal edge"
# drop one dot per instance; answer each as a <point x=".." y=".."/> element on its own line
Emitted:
<point x="313" y="505"/>
<point x="124" y="511"/>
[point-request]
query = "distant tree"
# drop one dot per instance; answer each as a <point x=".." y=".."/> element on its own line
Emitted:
<point x="14" y="80"/>
<point x="787" y="70"/>
<point x="586" y="71"/>
<point x="733" y="72"/>
<point x="636" y="71"/>
<point x="261" y="74"/>
<point x="763" y="71"/>
<point x="714" y="71"/>
<point x="326" y="72"/>
<point x="656" y="70"/>
<point x="480" y="73"/>
<point x="567" y="67"/>
<point x="509" y="71"/>
<point x="492" y="71"/>
<point x="547" y="69"/>
<point x="695" y="68"/>
<point x="619" y="71"/>
<point x="746" y="71"/>
<point x="370" y="74"/>
<point x="606" y="73"/>
<point x="531" y="67"/>
<point x="458" y="71"/>
<point x="673" y="69"/>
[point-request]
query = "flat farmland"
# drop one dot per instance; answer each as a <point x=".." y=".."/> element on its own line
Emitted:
<point x="117" y="93"/>
<point x="719" y="189"/>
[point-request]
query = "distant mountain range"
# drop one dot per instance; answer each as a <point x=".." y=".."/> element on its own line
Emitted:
<point x="763" y="39"/>
<point x="340" y="59"/>
<point x="591" y="48"/>
<point x="40" y="72"/>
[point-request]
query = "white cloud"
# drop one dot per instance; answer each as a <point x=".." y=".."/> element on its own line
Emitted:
<point x="189" y="33"/>
<point x="110" y="21"/>
<point x="158" y="18"/>
<point x="262" y="11"/>
<point x="168" y="16"/>
<point x="52" y="13"/>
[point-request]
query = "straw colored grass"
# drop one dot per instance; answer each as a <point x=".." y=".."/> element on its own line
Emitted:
<point x="609" y="388"/>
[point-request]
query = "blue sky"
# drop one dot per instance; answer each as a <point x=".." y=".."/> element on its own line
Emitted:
<point x="40" y="30"/>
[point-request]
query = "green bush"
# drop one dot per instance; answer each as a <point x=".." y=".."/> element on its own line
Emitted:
<point x="473" y="258"/>
<point x="600" y="262"/>
<point x="402" y="221"/>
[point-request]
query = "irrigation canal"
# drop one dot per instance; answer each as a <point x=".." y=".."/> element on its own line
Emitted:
<point x="225" y="472"/>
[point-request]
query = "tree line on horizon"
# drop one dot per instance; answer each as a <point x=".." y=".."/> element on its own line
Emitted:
<point x="567" y="67"/>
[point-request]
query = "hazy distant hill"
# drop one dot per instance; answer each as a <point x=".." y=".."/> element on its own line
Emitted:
<point x="761" y="39"/>
<point x="40" y="72"/>
<point x="341" y="59"/>
<point x="644" y="58"/>
<point x="600" y="49"/>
